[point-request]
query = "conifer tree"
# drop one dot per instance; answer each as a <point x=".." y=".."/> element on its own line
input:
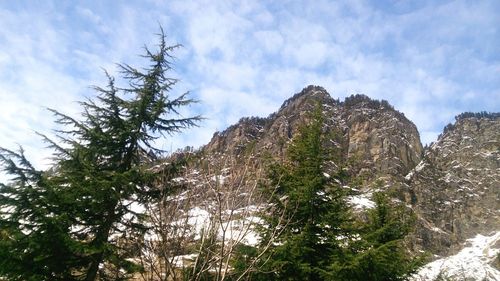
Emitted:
<point x="380" y="253"/>
<point x="321" y="240"/>
<point x="72" y="222"/>
<point x="314" y="202"/>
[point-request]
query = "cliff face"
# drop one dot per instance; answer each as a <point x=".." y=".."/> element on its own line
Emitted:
<point x="455" y="190"/>
<point x="453" y="186"/>
<point x="270" y="135"/>
<point x="381" y="141"/>
<point x="376" y="139"/>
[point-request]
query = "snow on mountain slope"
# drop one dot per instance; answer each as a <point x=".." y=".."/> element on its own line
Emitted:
<point x="473" y="262"/>
<point x="455" y="186"/>
<point x="452" y="186"/>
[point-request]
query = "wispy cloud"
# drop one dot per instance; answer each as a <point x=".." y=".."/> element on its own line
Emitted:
<point x="431" y="61"/>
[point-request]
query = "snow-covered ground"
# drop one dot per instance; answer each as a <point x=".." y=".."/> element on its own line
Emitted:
<point x="241" y="230"/>
<point x="473" y="262"/>
<point x="361" y="201"/>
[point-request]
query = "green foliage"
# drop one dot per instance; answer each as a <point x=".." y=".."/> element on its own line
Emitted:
<point x="320" y="239"/>
<point x="380" y="253"/>
<point x="314" y="206"/>
<point x="243" y="257"/>
<point x="76" y="221"/>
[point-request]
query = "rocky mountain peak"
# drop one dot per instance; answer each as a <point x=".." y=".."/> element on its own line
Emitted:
<point x="467" y="119"/>
<point x="308" y="94"/>
<point x="373" y="138"/>
<point x="454" y="189"/>
<point x="382" y="141"/>
<point x="452" y="185"/>
<point x="271" y="133"/>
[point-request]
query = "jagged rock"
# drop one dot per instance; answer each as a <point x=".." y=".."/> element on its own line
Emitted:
<point x="453" y="185"/>
<point x="376" y="140"/>
<point x="268" y="135"/>
<point x="456" y="188"/>
<point x="381" y="140"/>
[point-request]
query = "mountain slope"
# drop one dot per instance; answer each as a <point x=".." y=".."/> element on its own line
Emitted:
<point x="372" y="138"/>
<point x="475" y="261"/>
<point x="452" y="186"/>
<point x="455" y="189"/>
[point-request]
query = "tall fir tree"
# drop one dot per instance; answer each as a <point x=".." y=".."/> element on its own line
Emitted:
<point x="72" y="222"/>
<point x="380" y="253"/>
<point x="321" y="239"/>
<point x="314" y="203"/>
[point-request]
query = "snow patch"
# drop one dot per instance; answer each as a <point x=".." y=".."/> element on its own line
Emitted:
<point x="420" y="166"/>
<point x="219" y="179"/>
<point x="437" y="229"/>
<point x="199" y="219"/>
<point x="417" y="169"/>
<point x="184" y="260"/>
<point x="241" y="230"/>
<point x="361" y="201"/>
<point x="409" y="176"/>
<point x="471" y="263"/>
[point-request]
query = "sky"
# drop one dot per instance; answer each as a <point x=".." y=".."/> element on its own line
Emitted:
<point x="430" y="59"/>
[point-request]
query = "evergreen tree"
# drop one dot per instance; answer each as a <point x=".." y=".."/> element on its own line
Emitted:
<point x="320" y="240"/>
<point x="314" y="203"/>
<point x="380" y="253"/>
<point x="74" y="221"/>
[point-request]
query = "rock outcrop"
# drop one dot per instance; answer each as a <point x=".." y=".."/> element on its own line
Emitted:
<point x="455" y="190"/>
<point x="381" y="140"/>
<point x="372" y="137"/>
<point x="453" y="186"/>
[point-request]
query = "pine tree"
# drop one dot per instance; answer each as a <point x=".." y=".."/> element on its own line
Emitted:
<point x="320" y="240"/>
<point x="73" y="221"/>
<point x="380" y="253"/>
<point x="314" y="203"/>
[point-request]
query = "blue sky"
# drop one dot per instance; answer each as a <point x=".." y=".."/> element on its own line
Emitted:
<point x="430" y="59"/>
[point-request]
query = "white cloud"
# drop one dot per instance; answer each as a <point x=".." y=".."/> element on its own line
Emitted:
<point x="270" y="40"/>
<point x="244" y="58"/>
<point x="309" y="54"/>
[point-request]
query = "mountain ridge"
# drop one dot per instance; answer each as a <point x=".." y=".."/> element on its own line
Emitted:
<point x="451" y="185"/>
<point x="350" y="120"/>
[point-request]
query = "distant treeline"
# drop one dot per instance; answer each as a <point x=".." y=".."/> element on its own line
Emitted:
<point x="482" y="114"/>
<point x="353" y="100"/>
<point x="466" y="115"/>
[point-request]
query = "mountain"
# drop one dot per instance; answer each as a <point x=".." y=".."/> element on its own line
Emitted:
<point x="455" y="187"/>
<point x="451" y="185"/>
<point x="377" y="140"/>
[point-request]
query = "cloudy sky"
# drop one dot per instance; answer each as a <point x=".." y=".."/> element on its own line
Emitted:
<point x="430" y="59"/>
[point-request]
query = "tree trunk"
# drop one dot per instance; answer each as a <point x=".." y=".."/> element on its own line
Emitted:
<point x="101" y="238"/>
